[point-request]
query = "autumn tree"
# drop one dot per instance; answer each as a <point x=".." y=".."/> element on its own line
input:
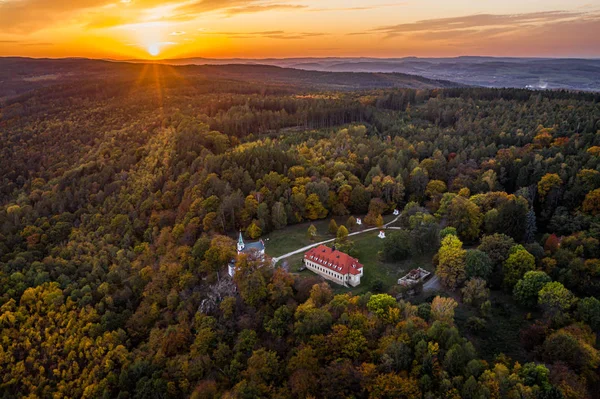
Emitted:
<point x="442" y="309"/>
<point x="466" y="217"/>
<point x="547" y="183"/>
<point x="314" y="208"/>
<point x="321" y="294"/>
<point x="218" y="255"/>
<point x="554" y="298"/>
<point x="475" y="292"/>
<point x="333" y="227"/>
<point x="451" y="267"/>
<point x="251" y="276"/>
<point x="384" y="306"/>
<point x="435" y="188"/>
<point x="497" y="247"/>
<point x="591" y="204"/>
<point x="552" y="243"/>
<point x="253" y="231"/>
<point x="342" y="234"/>
<point x="514" y="268"/>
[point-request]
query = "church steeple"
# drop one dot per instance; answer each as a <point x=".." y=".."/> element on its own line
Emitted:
<point x="240" y="244"/>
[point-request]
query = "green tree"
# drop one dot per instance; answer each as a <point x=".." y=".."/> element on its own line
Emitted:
<point x="333" y="227"/>
<point x="279" y="216"/>
<point x="351" y="223"/>
<point x="446" y="231"/>
<point x="478" y="264"/>
<point x="311" y="320"/>
<point x="263" y="369"/>
<point x="526" y="290"/>
<point x="588" y="310"/>
<point x="383" y="306"/>
<point x="554" y="298"/>
<point x="251" y="279"/>
<point x="342" y="234"/>
<point x="397" y="246"/>
<point x="512" y="218"/>
<point x="515" y="267"/>
<point x="312" y="232"/>
<point x="497" y="246"/>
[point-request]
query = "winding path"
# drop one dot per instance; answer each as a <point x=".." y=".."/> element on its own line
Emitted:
<point x="306" y="248"/>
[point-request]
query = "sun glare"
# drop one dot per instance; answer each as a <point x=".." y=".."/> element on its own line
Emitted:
<point x="153" y="49"/>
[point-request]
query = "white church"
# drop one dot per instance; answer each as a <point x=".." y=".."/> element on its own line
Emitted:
<point x="256" y="248"/>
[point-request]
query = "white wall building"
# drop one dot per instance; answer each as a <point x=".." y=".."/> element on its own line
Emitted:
<point x="334" y="265"/>
<point x="254" y="248"/>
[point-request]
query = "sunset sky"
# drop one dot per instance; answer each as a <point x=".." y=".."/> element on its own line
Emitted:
<point x="124" y="29"/>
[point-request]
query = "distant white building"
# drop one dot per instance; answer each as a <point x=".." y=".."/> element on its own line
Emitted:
<point x="256" y="248"/>
<point x="358" y="221"/>
<point x="334" y="265"/>
<point x="381" y="234"/>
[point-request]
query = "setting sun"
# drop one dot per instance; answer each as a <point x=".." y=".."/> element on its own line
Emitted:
<point x="153" y="49"/>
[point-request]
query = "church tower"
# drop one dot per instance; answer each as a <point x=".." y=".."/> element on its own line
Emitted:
<point x="240" y="243"/>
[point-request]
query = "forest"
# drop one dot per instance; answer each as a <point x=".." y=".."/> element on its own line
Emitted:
<point x="120" y="200"/>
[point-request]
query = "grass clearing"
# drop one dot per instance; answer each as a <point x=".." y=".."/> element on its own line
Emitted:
<point x="280" y="242"/>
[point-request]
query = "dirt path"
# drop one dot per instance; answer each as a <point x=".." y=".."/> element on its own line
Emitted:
<point x="306" y="248"/>
<point x="433" y="284"/>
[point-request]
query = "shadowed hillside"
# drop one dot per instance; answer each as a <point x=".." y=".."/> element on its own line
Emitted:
<point x="20" y="75"/>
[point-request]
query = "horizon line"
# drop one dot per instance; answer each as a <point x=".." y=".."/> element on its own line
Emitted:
<point x="74" y="57"/>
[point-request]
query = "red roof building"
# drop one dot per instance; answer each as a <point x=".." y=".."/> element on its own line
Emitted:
<point x="334" y="265"/>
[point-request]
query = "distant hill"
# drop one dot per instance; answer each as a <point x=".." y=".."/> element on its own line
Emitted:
<point x="20" y="75"/>
<point x="536" y="73"/>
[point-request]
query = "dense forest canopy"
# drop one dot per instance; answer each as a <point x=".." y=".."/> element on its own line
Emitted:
<point x="119" y="200"/>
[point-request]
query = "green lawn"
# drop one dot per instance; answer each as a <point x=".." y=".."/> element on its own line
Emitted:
<point x="280" y="242"/>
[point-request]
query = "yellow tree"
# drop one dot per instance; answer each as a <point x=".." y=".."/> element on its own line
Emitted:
<point x="442" y="309"/>
<point x="451" y="267"/>
<point x="253" y="231"/>
<point x="548" y="182"/>
<point x="591" y="204"/>
<point x="466" y="217"/>
<point x="314" y="208"/>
